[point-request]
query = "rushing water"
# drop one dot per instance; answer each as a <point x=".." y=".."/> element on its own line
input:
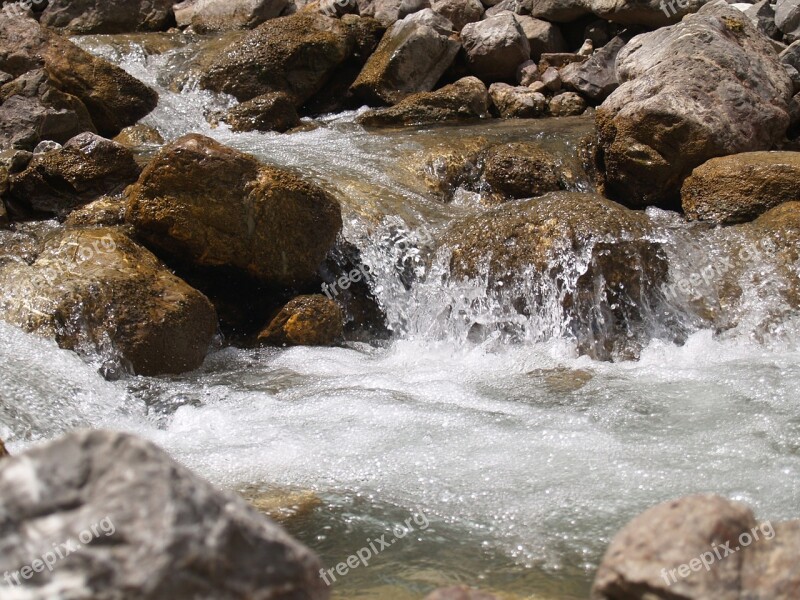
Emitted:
<point x="523" y="457"/>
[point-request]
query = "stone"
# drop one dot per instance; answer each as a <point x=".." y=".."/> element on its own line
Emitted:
<point x="787" y="18"/>
<point x="740" y="187"/>
<point x="284" y="506"/>
<point x="710" y="86"/>
<point x="87" y="167"/>
<point x="3" y="452"/>
<point x="270" y="112"/>
<point x="305" y="321"/>
<point x="520" y="170"/>
<point x="559" y="60"/>
<point x="517" y="102"/>
<point x="412" y="56"/>
<point x="495" y="47"/>
<point x="139" y="136"/>
<point x="390" y="11"/>
<point x="81" y="17"/>
<point x="770" y="569"/>
<point x="551" y="79"/>
<point x="762" y="14"/>
<point x="596" y="78"/>
<point x="207" y="16"/>
<point x="566" y="104"/>
<point x="161" y="531"/>
<point x="527" y="73"/>
<point x="207" y="205"/>
<point x="459" y="12"/>
<point x="459" y="592"/>
<point x="465" y="100"/>
<point x="108" y="211"/>
<point x="96" y="291"/>
<point x="543" y="37"/>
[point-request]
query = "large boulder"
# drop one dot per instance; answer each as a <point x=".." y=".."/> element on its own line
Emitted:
<point x="465" y="100"/>
<point x="543" y="36"/>
<point x="108" y="16"/>
<point x="94" y="290"/>
<point x="297" y="55"/>
<point x="389" y="11"/>
<point x="412" y="56"/>
<point x="495" y="47"/>
<point x="205" y="16"/>
<point x="520" y="170"/>
<point x="595" y="78"/>
<point x="207" y="205"/>
<point x="459" y="12"/>
<point x="648" y="13"/>
<point x="787" y="18"/>
<point x="87" y="167"/>
<point x="305" y="321"/>
<point x="738" y="188"/>
<point x="113" y="98"/>
<point x="136" y="524"/>
<point x="710" y="86"/>
<point x="525" y="250"/>
<point x="270" y="112"/>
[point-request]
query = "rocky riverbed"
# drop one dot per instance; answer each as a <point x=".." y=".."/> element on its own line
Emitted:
<point x="499" y="267"/>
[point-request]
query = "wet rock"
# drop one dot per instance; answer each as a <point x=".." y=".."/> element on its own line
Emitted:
<point x="389" y="11"/>
<point x="466" y="99"/>
<point x="459" y="12"/>
<point x="412" y="56"/>
<point x="270" y="112"/>
<point x="524" y="247"/>
<point x="139" y="500"/>
<point x="296" y="55"/>
<point x="281" y="505"/>
<point x="449" y="165"/>
<point x="205" y="16"/>
<point x="459" y="592"/>
<point x="596" y="78"/>
<point x="306" y="321"/>
<point x="522" y="170"/>
<point x="738" y="188"/>
<point x="638" y="562"/>
<point x="787" y="18"/>
<point x="709" y="86"/>
<point x="495" y="47"/>
<point x="87" y="167"/>
<point x="105" y="212"/>
<point x="517" y="102"/>
<point x="566" y="104"/>
<point x="207" y="205"/>
<point x="113" y="98"/>
<point x="543" y="37"/>
<point x="138" y="136"/>
<point x="96" y="291"/>
<point x="108" y="16"/>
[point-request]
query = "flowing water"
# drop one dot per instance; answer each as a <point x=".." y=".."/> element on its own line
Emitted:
<point x="518" y="458"/>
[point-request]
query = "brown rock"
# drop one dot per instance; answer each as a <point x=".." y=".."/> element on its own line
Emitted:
<point x="770" y="565"/>
<point x="211" y="206"/>
<point x="522" y="170"/>
<point x="740" y="187"/>
<point x="137" y="136"/>
<point x="305" y="321"/>
<point x="282" y="505"/>
<point x="270" y="112"/>
<point x="566" y="104"/>
<point x="517" y="102"/>
<point x="105" y="212"/>
<point x="3" y="451"/>
<point x="108" y="16"/>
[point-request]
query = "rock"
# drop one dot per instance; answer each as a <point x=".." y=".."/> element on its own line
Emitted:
<point x="305" y="321"/>
<point x="566" y="104"/>
<point x="15" y="161"/>
<point x="412" y="56"/>
<point x="389" y="11"/>
<point x="108" y="16"/>
<point x="647" y="13"/>
<point x="791" y="55"/>
<point x="143" y="517"/>
<point x="3" y="452"/>
<point x="283" y="506"/>
<point x="207" y="205"/>
<point x="86" y="168"/>
<point x="459" y="12"/>
<point x="137" y="136"/>
<point x="596" y="78"/>
<point x="770" y="566"/>
<point x="538" y="87"/>
<point x="787" y="18"/>
<point x="524" y="248"/>
<point x="270" y="112"/>
<point x="559" y="60"/>
<point x="551" y="79"/>
<point x="94" y="290"/>
<point x="527" y="73"/>
<point x="113" y="98"/>
<point x="105" y="212"/>
<point x="46" y="146"/>
<point x="4" y="220"/>
<point x="205" y="16"/>
<point x="668" y="537"/>
<point x="762" y="14"/>
<point x="740" y="187"/>
<point x="542" y="36"/>
<point x="459" y="592"/>
<point x="521" y="170"/>
<point x="495" y="47"/>
<point x="517" y="102"/>
<point x="709" y="86"/>
<point x="296" y="55"/>
<point x="466" y="99"/>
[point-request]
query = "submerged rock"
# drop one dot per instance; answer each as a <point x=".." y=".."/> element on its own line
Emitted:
<point x="305" y="321"/>
<point x="141" y="526"/>
<point x="270" y="112"/>
<point x="108" y="16"/>
<point x="710" y="86"/>
<point x="94" y="290"/>
<point x="740" y="187"/>
<point x="282" y="505"/>
<point x="207" y="205"/>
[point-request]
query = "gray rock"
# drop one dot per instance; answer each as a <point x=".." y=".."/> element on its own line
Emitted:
<point x="459" y="12"/>
<point x="517" y="102"/>
<point x="527" y="73"/>
<point x="412" y="56"/>
<point x="221" y="15"/>
<point x="495" y="47"/>
<point x="108" y="16"/>
<point x="161" y="531"/>
<point x="648" y="13"/>
<point x="390" y="11"/>
<point x="25" y="121"/>
<point x="787" y="18"/>
<point x="762" y="14"/>
<point x="46" y="146"/>
<point x="709" y="86"/>
<point x="542" y="36"/>
<point x="596" y="78"/>
<point x="567" y="104"/>
<point x="551" y="79"/>
<point x="791" y="55"/>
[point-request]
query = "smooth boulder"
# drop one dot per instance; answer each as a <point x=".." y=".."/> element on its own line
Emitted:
<point x="710" y="86"/>
<point x="270" y="112"/>
<point x="207" y="16"/>
<point x="207" y="205"/>
<point x="495" y="47"/>
<point x="517" y="102"/>
<point x="520" y="170"/>
<point x="140" y="525"/>
<point x="80" y="17"/>
<point x="305" y="321"/>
